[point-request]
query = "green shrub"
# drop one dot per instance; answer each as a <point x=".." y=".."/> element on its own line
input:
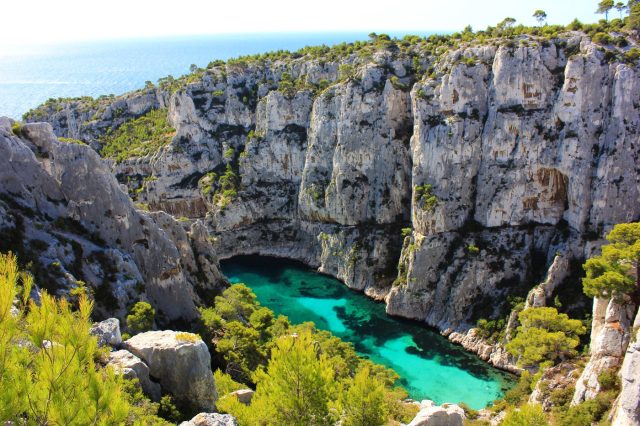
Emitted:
<point x="601" y="38"/>
<point x="141" y="317"/>
<point x="424" y="198"/>
<point x="527" y="415"/>
<point x="545" y="336"/>
<point x="51" y="383"/>
<point x="609" y="380"/>
<point x="139" y="137"/>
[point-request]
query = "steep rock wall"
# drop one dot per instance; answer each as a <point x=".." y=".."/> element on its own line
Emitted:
<point x="499" y="158"/>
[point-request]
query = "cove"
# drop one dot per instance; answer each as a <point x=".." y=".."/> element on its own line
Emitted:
<point x="430" y="367"/>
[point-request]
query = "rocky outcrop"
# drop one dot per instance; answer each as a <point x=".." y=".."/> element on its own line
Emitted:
<point x="610" y="334"/>
<point x="626" y="410"/>
<point x="211" y="419"/>
<point x="107" y="332"/>
<point x="434" y="415"/>
<point x="497" y="158"/>
<point x="555" y="386"/>
<point x="63" y="210"/>
<point x="132" y="367"/>
<point x="243" y="395"/>
<point x="180" y="362"/>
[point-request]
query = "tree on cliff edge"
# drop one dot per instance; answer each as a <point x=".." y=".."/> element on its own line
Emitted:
<point x="615" y="273"/>
<point x="541" y="16"/>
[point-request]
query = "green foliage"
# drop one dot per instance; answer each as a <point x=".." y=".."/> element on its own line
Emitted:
<point x="139" y="137"/>
<point x="605" y="7"/>
<point x="143" y="411"/>
<point x="527" y="415"/>
<point x="168" y="410"/>
<point x="72" y="141"/>
<point x="609" y="380"/>
<point x="242" y="330"/>
<point x="141" y="317"/>
<point x="540" y="15"/>
<point x="588" y="412"/>
<point x="545" y="335"/>
<point x="364" y="401"/>
<point x="228" y="153"/>
<point x="16" y="129"/>
<point x="225" y="384"/>
<point x="406" y="232"/>
<point x="346" y="72"/>
<point x="611" y="275"/>
<point x="424" y="198"/>
<point x="297" y="386"/>
<point x="473" y="249"/>
<point x="47" y="369"/>
<point x="492" y="330"/>
<point x="520" y="392"/>
<point x="287" y="363"/>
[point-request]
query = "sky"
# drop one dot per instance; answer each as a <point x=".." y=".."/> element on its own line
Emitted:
<point x="52" y="21"/>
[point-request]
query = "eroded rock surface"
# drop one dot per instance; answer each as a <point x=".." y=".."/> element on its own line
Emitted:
<point x="63" y="210"/>
<point x="180" y="362"/>
<point x="500" y="157"/>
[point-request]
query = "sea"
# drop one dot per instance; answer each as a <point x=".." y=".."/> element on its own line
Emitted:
<point x="30" y="75"/>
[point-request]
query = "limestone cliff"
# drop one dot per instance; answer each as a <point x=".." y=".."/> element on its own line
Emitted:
<point x="496" y="157"/>
<point x="65" y="214"/>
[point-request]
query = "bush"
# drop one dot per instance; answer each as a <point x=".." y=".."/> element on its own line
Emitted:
<point x="141" y="317"/>
<point x="527" y="415"/>
<point x="601" y="38"/>
<point x="139" y="137"/>
<point x="609" y="380"/>
<point x="48" y="373"/>
<point x="545" y="336"/>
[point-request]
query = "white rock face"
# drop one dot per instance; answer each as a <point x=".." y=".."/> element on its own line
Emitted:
<point x="182" y="366"/>
<point x="610" y="335"/>
<point x="211" y="419"/>
<point x="434" y="415"/>
<point x="107" y="332"/>
<point x="626" y="410"/>
<point x="130" y="366"/>
<point x="69" y="212"/>
<point x="528" y="150"/>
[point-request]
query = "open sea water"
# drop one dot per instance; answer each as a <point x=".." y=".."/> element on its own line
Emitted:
<point x="31" y="75"/>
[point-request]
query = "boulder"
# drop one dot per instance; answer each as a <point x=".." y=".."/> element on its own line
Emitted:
<point x="244" y="395"/>
<point x="434" y="415"/>
<point x="132" y="367"/>
<point x="107" y="332"/>
<point x="211" y="419"/>
<point x="180" y="362"/>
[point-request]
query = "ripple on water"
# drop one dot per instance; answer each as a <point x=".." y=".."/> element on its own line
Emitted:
<point x="430" y="367"/>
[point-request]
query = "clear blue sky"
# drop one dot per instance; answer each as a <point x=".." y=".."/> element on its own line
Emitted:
<point x="40" y="21"/>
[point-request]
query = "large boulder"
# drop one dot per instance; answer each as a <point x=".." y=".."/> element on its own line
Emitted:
<point x="434" y="415"/>
<point x="132" y="367"/>
<point x="211" y="419"/>
<point x="107" y="332"/>
<point x="180" y="362"/>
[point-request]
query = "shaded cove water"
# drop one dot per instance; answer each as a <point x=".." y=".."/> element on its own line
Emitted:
<point x="430" y="367"/>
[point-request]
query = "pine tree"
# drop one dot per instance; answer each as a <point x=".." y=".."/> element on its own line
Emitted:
<point x="298" y="384"/>
<point x="364" y="401"/>
<point x="47" y="369"/>
<point x="615" y="272"/>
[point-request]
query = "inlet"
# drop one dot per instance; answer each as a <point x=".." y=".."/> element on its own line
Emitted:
<point x="430" y="367"/>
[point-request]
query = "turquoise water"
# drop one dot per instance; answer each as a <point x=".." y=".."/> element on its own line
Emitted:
<point x="31" y="75"/>
<point x="430" y="366"/>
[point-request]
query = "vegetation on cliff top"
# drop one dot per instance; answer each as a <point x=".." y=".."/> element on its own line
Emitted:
<point x="139" y="137"/>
